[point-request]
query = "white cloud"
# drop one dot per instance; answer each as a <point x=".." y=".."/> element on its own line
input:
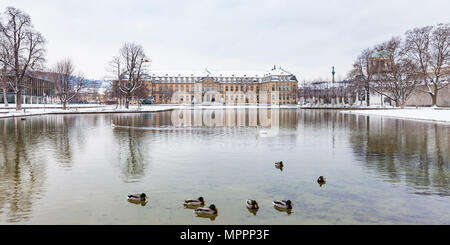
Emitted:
<point x="305" y="37"/>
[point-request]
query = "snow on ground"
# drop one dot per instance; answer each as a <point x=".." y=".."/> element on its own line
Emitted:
<point x="40" y="109"/>
<point x="77" y="109"/>
<point x="429" y="114"/>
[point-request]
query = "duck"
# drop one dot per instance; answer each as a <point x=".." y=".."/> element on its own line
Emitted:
<point x="321" y="179"/>
<point x="137" y="197"/>
<point x="252" y="204"/>
<point x="23" y="118"/>
<point x="195" y="202"/>
<point x="279" y="164"/>
<point x="112" y="124"/>
<point x="283" y="204"/>
<point x="211" y="210"/>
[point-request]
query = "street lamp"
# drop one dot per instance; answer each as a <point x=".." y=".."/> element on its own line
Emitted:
<point x="45" y="100"/>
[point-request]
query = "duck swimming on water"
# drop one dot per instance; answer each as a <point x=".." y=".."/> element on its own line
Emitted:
<point x="211" y="210"/>
<point x="321" y="180"/>
<point x="137" y="197"/>
<point x="283" y="204"/>
<point x="195" y="201"/>
<point x="252" y="204"/>
<point x="279" y="164"/>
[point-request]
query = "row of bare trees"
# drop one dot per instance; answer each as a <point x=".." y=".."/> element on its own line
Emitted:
<point x="396" y="67"/>
<point x="325" y="91"/>
<point x="22" y="52"/>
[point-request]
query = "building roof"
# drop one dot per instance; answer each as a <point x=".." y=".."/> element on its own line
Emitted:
<point x="206" y="72"/>
<point x="381" y="54"/>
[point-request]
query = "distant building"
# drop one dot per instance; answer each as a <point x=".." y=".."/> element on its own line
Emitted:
<point x="38" y="88"/>
<point x="274" y="87"/>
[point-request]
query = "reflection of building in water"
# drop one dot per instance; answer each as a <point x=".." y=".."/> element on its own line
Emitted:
<point x="228" y="89"/>
<point x="285" y="118"/>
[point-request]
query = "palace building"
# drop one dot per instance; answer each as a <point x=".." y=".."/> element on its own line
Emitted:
<point x="275" y="87"/>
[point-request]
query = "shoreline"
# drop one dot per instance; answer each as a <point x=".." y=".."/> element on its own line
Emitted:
<point x="433" y="115"/>
<point x="424" y="114"/>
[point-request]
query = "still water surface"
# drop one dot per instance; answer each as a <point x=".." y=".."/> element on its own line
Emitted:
<point x="76" y="169"/>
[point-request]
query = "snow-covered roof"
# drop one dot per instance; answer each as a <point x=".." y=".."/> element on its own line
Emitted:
<point x="207" y="72"/>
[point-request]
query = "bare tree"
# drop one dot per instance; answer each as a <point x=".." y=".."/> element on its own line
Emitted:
<point x="429" y="48"/>
<point x="22" y="49"/>
<point x="400" y="77"/>
<point x="67" y="85"/>
<point x="129" y="69"/>
<point x="4" y="83"/>
<point x="361" y="72"/>
<point x="3" y="69"/>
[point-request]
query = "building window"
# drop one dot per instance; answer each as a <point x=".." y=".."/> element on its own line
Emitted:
<point x="226" y="88"/>
<point x="273" y="87"/>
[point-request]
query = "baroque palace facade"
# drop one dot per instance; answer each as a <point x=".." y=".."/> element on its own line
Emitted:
<point x="275" y="87"/>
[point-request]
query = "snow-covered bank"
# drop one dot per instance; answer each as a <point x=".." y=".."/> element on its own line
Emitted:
<point x="39" y="109"/>
<point x="428" y="114"/>
<point x="5" y="113"/>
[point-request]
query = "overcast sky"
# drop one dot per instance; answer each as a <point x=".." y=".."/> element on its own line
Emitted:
<point x="304" y="37"/>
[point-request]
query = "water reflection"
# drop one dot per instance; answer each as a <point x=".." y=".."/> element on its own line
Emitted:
<point x="402" y="150"/>
<point x="212" y="217"/>
<point x="212" y="119"/>
<point x="137" y="202"/>
<point x="35" y="154"/>
<point x="283" y="210"/>
<point x="22" y="170"/>
<point x="132" y="153"/>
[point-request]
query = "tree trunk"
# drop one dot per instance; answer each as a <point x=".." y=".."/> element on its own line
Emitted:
<point x="5" y="98"/>
<point x="64" y="105"/>
<point x="368" y="94"/>
<point x="127" y="101"/>
<point x="19" y="100"/>
<point x="434" y="97"/>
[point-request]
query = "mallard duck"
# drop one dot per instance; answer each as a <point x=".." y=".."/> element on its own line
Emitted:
<point x="321" y="179"/>
<point x="137" y="197"/>
<point x="279" y="164"/>
<point x="23" y="118"/>
<point x="283" y="204"/>
<point x="195" y="202"/>
<point x="211" y="210"/>
<point x="252" y="204"/>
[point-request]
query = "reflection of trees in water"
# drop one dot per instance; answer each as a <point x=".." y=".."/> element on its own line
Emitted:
<point x="22" y="169"/>
<point x="401" y="149"/>
<point x="132" y="153"/>
<point x="58" y="135"/>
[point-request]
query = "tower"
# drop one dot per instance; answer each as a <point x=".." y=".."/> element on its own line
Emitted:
<point x="332" y="73"/>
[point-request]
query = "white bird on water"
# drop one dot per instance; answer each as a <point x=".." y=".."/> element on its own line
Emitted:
<point x="112" y="124"/>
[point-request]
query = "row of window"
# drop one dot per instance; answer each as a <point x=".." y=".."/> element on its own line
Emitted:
<point x="284" y="87"/>
<point x="220" y="79"/>
<point x="227" y="98"/>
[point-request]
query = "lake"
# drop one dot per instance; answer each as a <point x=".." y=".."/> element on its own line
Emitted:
<point x="77" y="169"/>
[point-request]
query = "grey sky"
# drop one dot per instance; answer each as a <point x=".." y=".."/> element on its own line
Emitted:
<point x="304" y="37"/>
